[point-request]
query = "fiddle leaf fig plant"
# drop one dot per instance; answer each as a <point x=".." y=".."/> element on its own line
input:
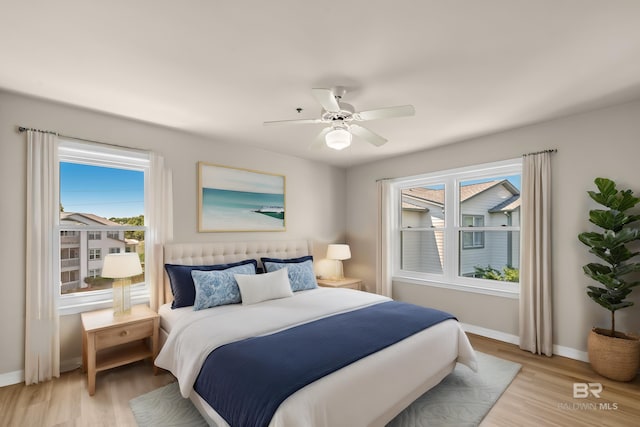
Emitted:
<point x="612" y="247"/>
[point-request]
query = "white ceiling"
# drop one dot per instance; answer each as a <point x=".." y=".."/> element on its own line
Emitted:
<point x="221" y="68"/>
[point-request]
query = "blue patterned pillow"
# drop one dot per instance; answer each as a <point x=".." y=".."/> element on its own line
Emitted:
<point x="182" y="287"/>
<point x="301" y="275"/>
<point x="214" y="288"/>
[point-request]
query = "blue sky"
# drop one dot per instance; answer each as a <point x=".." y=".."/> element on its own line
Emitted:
<point x="103" y="191"/>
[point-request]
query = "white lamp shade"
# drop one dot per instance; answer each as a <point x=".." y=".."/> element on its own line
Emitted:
<point x="118" y="266"/>
<point x="338" y="252"/>
<point x="338" y="138"/>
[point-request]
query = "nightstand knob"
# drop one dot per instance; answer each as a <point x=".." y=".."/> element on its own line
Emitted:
<point x="124" y="333"/>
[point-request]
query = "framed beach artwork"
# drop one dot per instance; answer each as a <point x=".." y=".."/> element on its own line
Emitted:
<point x="232" y="199"/>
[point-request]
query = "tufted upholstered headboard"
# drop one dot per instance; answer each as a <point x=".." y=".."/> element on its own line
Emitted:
<point x="225" y="252"/>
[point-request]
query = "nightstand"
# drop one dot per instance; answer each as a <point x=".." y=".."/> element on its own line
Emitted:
<point x="347" y="282"/>
<point x="109" y="341"/>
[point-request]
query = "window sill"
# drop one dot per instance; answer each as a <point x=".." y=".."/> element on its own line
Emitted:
<point x="504" y="293"/>
<point x="97" y="305"/>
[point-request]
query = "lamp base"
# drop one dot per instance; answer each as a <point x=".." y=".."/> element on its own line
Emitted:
<point x="339" y="271"/>
<point x="121" y="298"/>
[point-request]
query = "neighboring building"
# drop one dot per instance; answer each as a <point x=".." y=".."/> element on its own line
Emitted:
<point x="423" y="208"/>
<point x="82" y="251"/>
<point x="488" y="204"/>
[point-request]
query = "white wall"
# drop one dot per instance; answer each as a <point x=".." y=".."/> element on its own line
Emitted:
<point x="604" y="143"/>
<point x="600" y="143"/>
<point x="315" y="197"/>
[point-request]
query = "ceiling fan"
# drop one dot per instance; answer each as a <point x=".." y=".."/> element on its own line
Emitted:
<point x="341" y="116"/>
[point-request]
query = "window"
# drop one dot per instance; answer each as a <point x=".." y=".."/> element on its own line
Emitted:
<point x="102" y="211"/>
<point x="472" y="239"/>
<point x="69" y="279"/>
<point x="69" y="253"/>
<point x="95" y="254"/>
<point x="460" y="228"/>
<point x="116" y="235"/>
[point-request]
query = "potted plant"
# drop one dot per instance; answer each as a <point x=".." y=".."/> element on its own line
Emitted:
<point x="613" y="354"/>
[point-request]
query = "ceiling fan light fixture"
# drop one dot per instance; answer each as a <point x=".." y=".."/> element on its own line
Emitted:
<point x="338" y="138"/>
<point x="341" y="119"/>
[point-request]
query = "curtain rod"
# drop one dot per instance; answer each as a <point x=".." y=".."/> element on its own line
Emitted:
<point x="551" y="150"/>
<point x="22" y="129"/>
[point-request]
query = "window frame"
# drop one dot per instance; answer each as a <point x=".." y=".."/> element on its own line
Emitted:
<point x="102" y="155"/>
<point x="450" y="277"/>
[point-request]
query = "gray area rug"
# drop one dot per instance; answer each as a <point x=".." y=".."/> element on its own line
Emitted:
<point x="461" y="399"/>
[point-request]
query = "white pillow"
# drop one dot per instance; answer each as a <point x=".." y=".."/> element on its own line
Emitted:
<point x="256" y="288"/>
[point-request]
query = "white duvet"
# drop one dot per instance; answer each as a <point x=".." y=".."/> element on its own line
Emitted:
<point x="368" y="392"/>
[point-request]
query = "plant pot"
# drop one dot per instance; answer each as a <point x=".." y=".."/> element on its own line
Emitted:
<point x="617" y="358"/>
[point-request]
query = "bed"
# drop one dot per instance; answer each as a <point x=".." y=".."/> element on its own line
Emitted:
<point x="369" y="391"/>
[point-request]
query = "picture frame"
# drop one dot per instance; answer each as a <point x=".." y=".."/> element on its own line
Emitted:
<point x="235" y="199"/>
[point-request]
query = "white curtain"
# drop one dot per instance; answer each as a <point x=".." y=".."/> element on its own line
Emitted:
<point x="160" y="215"/>
<point x="42" y="336"/>
<point x="535" y="270"/>
<point x="383" y="241"/>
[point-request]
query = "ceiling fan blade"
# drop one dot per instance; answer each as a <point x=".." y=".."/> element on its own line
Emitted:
<point x="385" y="113"/>
<point x="327" y="99"/>
<point x="296" y="121"/>
<point x="319" y="141"/>
<point x="367" y="135"/>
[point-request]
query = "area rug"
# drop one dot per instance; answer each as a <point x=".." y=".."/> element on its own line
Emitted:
<point x="462" y="399"/>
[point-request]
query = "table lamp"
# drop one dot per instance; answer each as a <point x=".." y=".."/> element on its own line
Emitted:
<point x="122" y="267"/>
<point x="338" y="253"/>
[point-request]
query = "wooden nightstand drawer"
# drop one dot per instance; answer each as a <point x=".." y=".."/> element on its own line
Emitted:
<point x="123" y="334"/>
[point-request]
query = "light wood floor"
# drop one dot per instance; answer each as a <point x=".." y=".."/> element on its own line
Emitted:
<point x="64" y="401"/>
<point x="541" y="395"/>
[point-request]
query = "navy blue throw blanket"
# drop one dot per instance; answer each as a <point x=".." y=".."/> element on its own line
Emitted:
<point x="246" y="381"/>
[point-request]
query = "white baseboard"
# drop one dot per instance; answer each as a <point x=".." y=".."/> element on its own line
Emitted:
<point x="571" y="353"/>
<point x="491" y="333"/>
<point x="11" y="378"/>
<point x="16" y="377"/>
<point x="559" y="350"/>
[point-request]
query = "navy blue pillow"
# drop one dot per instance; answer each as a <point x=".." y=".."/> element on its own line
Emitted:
<point x="287" y="261"/>
<point x="300" y="271"/>
<point x="182" y="286"/>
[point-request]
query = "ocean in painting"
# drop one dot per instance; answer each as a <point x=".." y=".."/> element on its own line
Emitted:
<point x="241" y="210"/>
